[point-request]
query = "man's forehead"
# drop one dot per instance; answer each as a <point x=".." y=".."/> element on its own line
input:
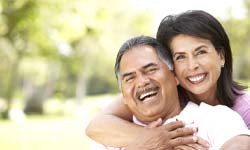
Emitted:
<point x="139" y="57"/>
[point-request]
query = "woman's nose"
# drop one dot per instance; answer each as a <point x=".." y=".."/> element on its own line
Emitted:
<point x="193" y="64"/>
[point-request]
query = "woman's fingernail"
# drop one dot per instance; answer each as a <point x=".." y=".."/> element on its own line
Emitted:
<point x="195" y="138"/>
<point x="194" y="129"/>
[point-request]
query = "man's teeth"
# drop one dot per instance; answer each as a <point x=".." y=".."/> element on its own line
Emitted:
<point x="144" y="95"/>
<point x="196" y="78"/>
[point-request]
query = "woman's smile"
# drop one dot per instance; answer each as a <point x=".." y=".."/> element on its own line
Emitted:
<point x="196" y="79"/>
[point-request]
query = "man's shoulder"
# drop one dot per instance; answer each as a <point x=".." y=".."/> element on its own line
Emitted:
<point x="218" y="109"/>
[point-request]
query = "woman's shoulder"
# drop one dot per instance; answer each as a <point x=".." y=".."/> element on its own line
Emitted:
<point x="242" y="106"/>
<point x="244" y="98"/>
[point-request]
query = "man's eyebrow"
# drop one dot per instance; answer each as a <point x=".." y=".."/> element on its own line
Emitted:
<point x="127" y="74"/>
<point x="149" y="65"/>
<point x="132" y="73"/>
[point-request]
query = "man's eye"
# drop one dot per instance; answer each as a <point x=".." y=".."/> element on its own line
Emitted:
<point x="129" y="79"/>
<point x="151" y="69"/>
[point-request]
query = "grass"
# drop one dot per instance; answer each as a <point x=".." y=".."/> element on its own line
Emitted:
<point x="52" y="132"/>
<point x="42" y="133"/>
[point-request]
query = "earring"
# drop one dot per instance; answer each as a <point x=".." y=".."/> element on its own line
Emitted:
<point x="222" y="66"/>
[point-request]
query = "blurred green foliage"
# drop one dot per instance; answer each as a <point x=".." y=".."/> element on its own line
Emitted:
<point x="238" y="30"/>
<point x="62" y="49"/>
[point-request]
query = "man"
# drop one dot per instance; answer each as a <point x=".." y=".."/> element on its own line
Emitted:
<point x="143" y="69"/>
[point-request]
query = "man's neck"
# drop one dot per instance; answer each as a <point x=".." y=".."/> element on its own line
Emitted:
<point x="174" y="112"/>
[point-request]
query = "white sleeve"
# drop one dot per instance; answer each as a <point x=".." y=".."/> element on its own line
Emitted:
<point x="223" y="124"/>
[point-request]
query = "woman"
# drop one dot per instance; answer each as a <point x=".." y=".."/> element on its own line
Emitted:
<point x="196" y="40"/>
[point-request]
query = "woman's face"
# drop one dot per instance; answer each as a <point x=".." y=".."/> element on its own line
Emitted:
<point x="197" y="65"/>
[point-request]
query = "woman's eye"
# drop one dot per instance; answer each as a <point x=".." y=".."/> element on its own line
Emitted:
<point x="201" y="52"/>
<point x="179" y="57"/>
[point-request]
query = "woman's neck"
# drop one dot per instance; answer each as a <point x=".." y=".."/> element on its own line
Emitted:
<point x="208" y="97"/>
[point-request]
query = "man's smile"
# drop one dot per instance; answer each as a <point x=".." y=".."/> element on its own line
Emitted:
<point x="147" y="92"/>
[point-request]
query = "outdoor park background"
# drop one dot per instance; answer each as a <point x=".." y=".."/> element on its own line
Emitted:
<point x="57" y="58"/>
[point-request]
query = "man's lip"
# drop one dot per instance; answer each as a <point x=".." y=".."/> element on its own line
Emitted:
<point x="143" y="96"/>
<point x="147" y="91"/>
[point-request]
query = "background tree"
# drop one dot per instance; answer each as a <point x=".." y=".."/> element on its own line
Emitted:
<point x="238" y="30"/>
<point x="62" y="49"/>
<point x="65" y="49"/>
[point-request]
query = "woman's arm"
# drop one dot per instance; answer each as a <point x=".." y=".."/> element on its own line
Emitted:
<point x="113" y="126"/>
<point x="241" y="142"/>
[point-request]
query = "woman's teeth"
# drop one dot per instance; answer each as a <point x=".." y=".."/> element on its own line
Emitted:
<point x="197" y="78"/>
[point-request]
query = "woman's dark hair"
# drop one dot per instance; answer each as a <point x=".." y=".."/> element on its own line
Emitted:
<point x="200" y="24"/>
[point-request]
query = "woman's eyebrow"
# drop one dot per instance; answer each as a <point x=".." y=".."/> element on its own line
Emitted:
<point x="200" y="47"/>
<point x="196" y="49"/>
<point x="178" y="53"/>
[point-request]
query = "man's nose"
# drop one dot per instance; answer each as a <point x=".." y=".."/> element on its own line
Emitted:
<point x="142" y="81"/>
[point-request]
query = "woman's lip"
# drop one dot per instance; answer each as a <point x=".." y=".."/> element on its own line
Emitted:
<point x="198" y="78"/>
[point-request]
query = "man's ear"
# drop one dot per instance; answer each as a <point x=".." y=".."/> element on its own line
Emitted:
<point x="124" y="99"/>
<point x="177" y="81"/>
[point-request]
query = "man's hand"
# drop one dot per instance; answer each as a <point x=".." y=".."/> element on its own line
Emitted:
<point x="165" y="137"/>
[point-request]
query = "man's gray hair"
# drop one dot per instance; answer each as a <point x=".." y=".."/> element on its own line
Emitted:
<point x="161" y="51"/>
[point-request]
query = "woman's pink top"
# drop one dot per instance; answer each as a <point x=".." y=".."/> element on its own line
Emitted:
<point x="242" y="106"/>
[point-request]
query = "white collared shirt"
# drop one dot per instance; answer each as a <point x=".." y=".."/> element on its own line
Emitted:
<point x="216" y="124"/>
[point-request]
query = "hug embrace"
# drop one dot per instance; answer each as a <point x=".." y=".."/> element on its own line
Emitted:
<point x="177" y="91"/>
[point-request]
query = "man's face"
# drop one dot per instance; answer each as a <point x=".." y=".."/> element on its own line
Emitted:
<point x="148" y="86"/>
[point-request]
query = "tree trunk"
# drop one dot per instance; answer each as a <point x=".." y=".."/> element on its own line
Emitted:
<point x="11" y="86"/>
<point x="38" y="95"/>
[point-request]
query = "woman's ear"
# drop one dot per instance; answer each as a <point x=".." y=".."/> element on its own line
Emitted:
<point x="177" y="81"/>
<point x="222" y="56"/>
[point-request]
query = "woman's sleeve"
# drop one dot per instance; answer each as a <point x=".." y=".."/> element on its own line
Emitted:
<point x="242" y="106"/>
